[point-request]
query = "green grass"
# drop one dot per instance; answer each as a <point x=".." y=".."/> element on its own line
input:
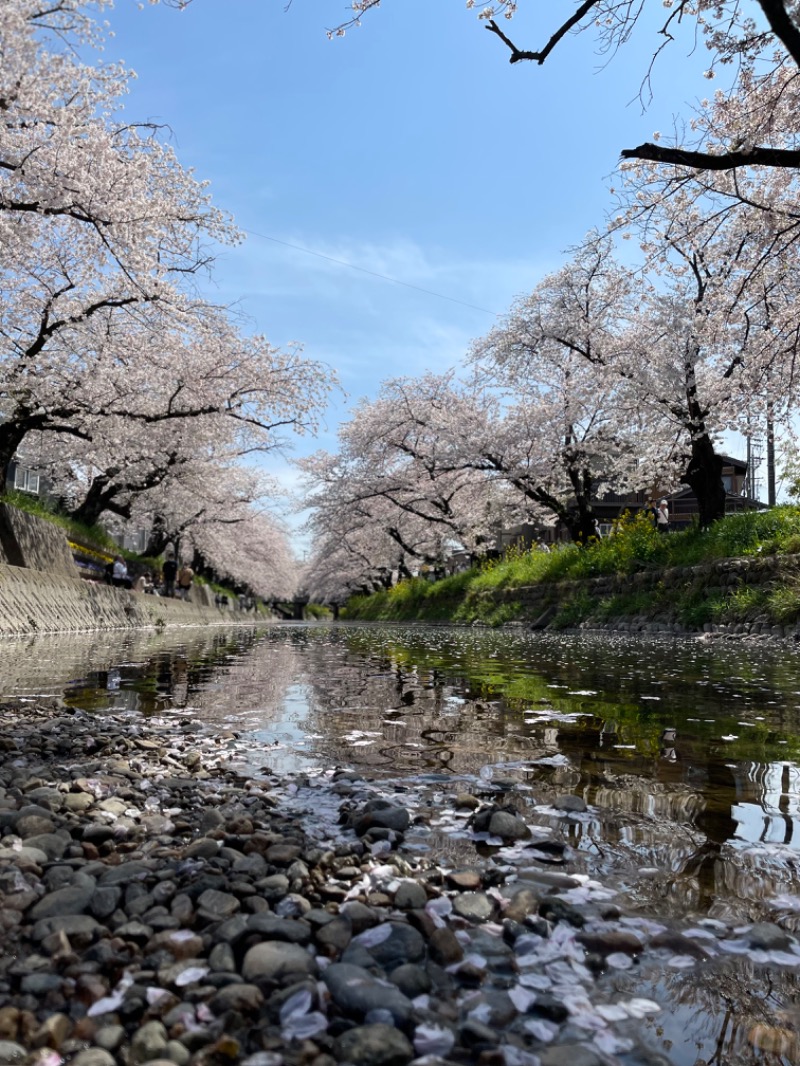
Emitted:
<point x="319" y="612"/>
<point x="635" y="546"/>
<point x="34" y="505"/>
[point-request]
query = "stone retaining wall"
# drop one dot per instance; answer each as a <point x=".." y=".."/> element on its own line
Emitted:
<point x="541" y="602"/>
<point x="34" y="601"/>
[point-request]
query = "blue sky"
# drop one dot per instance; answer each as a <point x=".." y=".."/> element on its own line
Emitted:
<point x="410" y="148"/>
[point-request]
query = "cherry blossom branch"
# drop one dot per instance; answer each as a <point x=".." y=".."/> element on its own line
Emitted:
<point x="519" y="54"/>
<point x="743" y="157"/>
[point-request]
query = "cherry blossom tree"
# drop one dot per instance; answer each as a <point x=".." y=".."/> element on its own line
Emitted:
<point x="220" y="516"/>
<point x="361" y="560"/>
<point x="694" y="359"/>
<point x="135" y="393"/>
<point x="574" y="425"/>
<point x="398" y="472"/>
<point x="97" y="217"/>
<point x="757" y="40"/>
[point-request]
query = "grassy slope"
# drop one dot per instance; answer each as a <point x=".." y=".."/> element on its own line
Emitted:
<point x="636" y="546"/>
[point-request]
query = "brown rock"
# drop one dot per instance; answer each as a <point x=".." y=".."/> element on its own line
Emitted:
<point x="679" y="945"/>
<point x="9" y="1023"/>
<point x="444" y="947"/>
<point x="283" y="854"/>
<point x="524" y="901"/>
<point x="53" y="1031"/>
<point x="467" y="879"/>
<point x="181" y="943"/>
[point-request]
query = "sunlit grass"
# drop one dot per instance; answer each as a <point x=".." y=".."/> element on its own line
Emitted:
<point x="634" y="546"/>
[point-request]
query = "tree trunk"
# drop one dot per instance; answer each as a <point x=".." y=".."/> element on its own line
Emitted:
<point x="97" y="499"/>
<point x="158" y="538"/>
<point x="704" y="477"/>
<point x="12" y="434"/>
<point x="582" y="526"/>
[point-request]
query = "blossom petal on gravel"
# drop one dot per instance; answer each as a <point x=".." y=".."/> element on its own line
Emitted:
<point x="619" y="960"/>
<point x="640" y="1008"/>
<point x="296" y="1005"/>
<point x="190" y="975"/>
<point x="433" y="1040"/>
<point x="611" y="1044"/>
<point x="522" y="998"/>
<point x="542" y="1030"/>
<point x="370" y="938"/>
<point x="305" y="1026"/>
<point x="612" y="1012"/>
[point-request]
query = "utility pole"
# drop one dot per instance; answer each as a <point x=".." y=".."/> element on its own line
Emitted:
<point x="771" y="495"/>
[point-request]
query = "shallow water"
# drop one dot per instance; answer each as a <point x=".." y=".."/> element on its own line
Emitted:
<point x="687" y="753"/>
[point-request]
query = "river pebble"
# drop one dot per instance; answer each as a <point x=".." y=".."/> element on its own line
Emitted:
<point x="160" y="907"/>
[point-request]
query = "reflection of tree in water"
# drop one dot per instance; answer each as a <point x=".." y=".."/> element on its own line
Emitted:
<point x="79" y="665"/>
<point x="245" y="689"/>
<point x="733" y="1013"/>
<point x="419" y="723"/>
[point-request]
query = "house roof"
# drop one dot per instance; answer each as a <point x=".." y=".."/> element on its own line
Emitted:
<point x="737" y="464"/>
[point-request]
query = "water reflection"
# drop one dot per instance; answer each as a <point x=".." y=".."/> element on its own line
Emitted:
<point x="687" y="753"/>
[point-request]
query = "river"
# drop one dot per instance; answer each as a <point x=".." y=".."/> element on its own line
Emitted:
<point x="686" y="754"/>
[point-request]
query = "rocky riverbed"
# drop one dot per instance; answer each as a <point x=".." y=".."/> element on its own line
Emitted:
<point x="161" y="906"/>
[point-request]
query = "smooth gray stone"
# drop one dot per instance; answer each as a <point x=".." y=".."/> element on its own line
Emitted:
<point x="410" y="896"/>
<point x="769" y="937"/>
<point x="288" y="930"/>
<point x="105" y="900"/>
<point x="396" y="818"/>
<point x="125" y="872"/>
<point x="412" y="980"/>
<point x="93" y="1056"/>
<point x="51" y="844"/>
<point x="404" y="944"/>
<point x="11" y="1053"/>
<point x="220" y="905"/>
<point x="475" y="906"/>
<point x="356" y="992"/>
<point x="148" y="1042"/>
<point x="373" y="1045"/>
<point x="277" y="961"/>
<point x="570" y="1055"/>
<point x="221" y="959"/>
<point x="336" y="934"/>
<point x="508" y="826"/>
<point x="238" y="997"/>
<point x="78" y="927"/>
<point x="251" y="865"/>
<point x="72" y="899"/>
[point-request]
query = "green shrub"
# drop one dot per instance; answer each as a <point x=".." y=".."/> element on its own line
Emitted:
<point x="783" y="602"/>
<point x="573" y="611"/>
<point x="319" y="611"/>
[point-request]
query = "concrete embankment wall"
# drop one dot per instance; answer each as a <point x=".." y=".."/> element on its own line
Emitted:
<point x="539" y="603"/>
<point x="34" y="601"/>
<point x="41" y="590"/>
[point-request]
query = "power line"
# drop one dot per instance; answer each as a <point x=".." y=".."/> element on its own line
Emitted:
<point x="372" y="273"/>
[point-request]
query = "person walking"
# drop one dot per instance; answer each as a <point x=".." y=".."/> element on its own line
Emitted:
<point x="185" y="579"/>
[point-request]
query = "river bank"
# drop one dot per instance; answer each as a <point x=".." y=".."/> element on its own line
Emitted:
<point x="161" y="906"/>
<point x="741" y="576"/>
<point x="38" y="601"/>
